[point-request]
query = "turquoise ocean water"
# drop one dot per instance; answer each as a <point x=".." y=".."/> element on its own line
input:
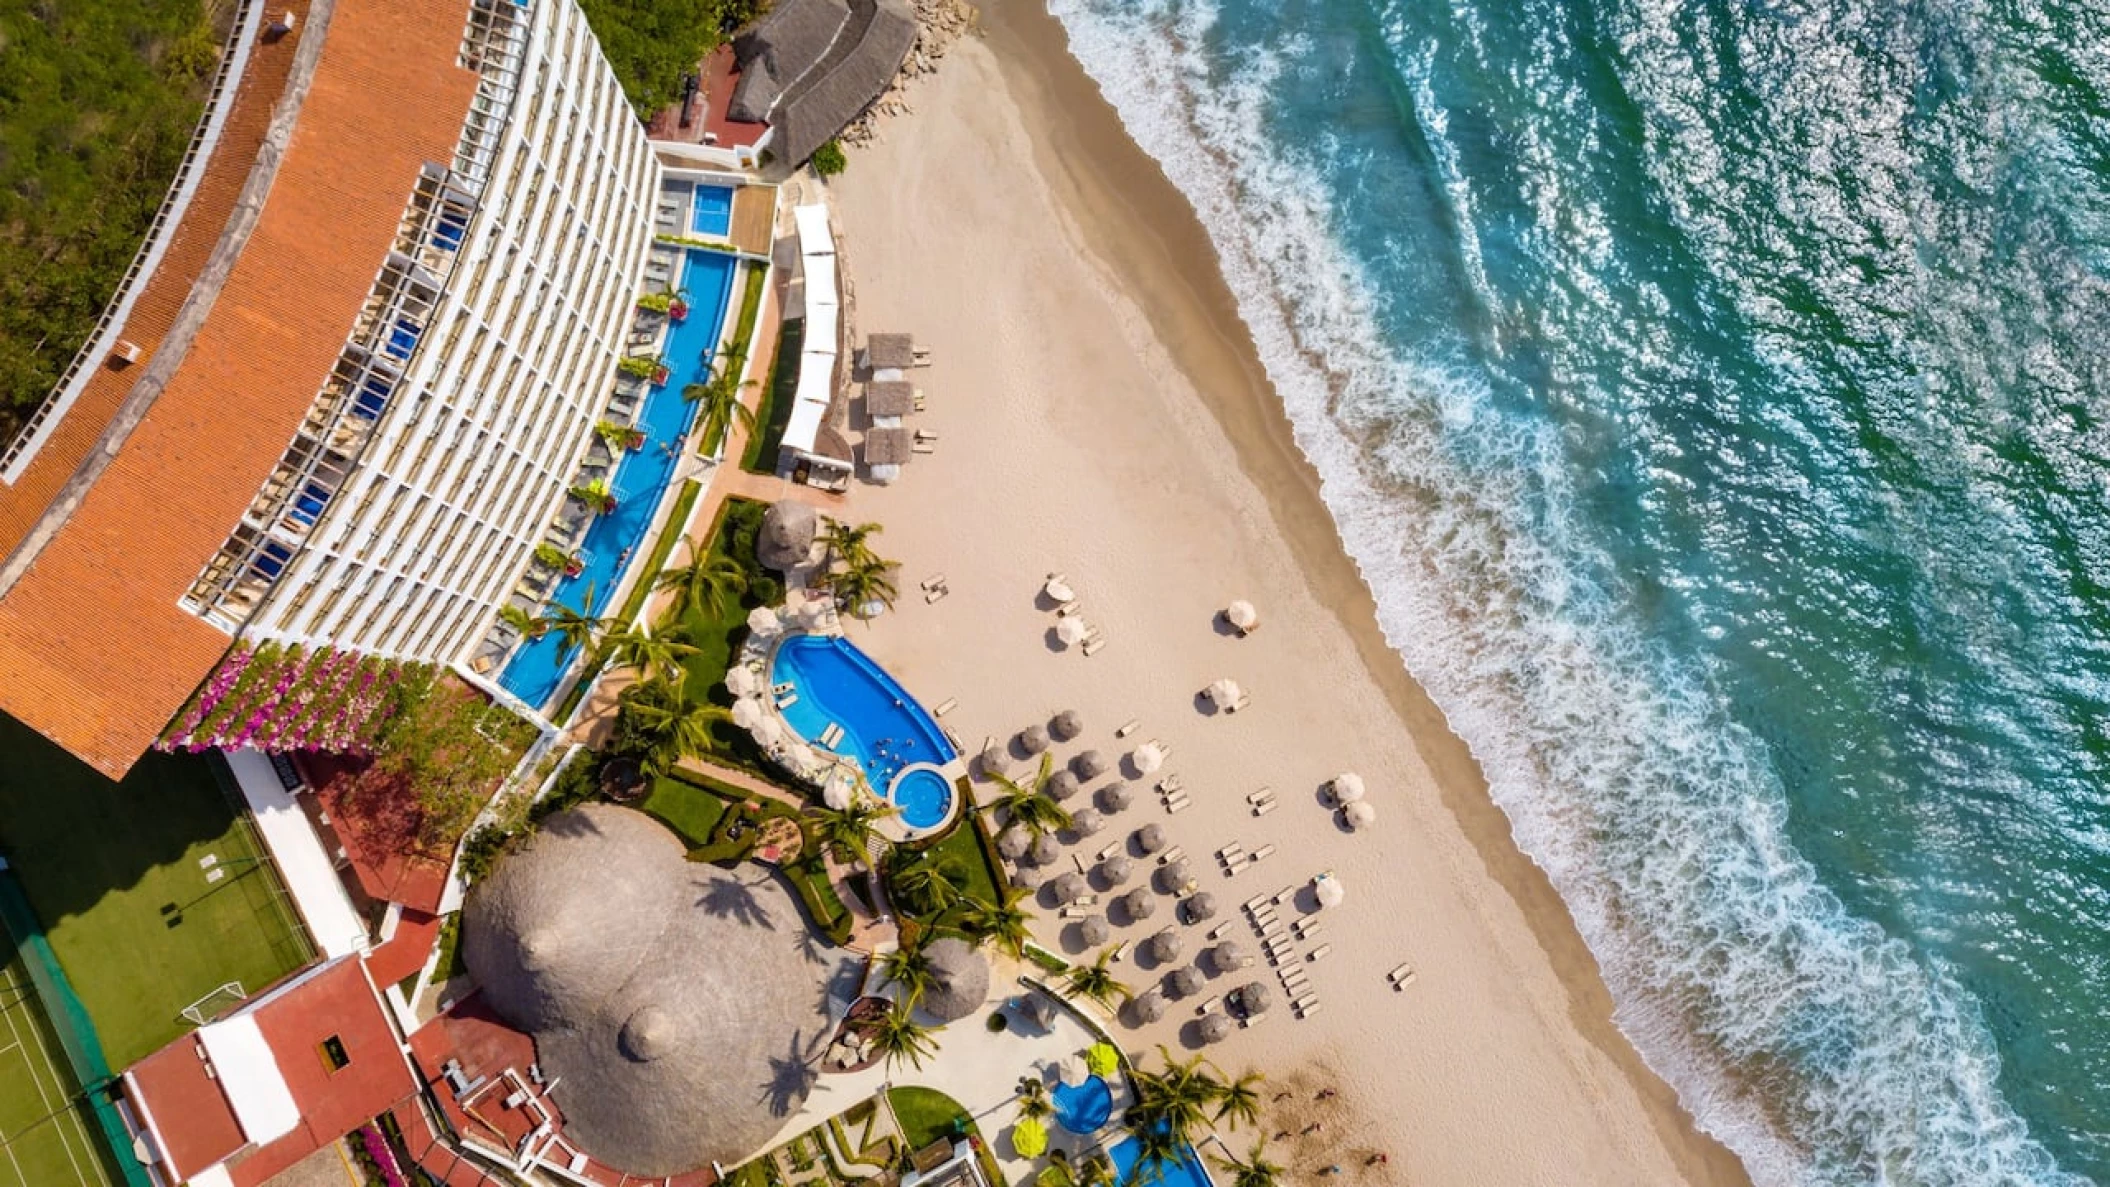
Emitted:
<point x="1714" y="397"/>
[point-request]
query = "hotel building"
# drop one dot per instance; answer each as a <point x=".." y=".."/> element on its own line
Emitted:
<point x="357" y="368"/>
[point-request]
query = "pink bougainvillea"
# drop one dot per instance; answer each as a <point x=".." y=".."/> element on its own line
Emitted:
<point x="281" y="699"/>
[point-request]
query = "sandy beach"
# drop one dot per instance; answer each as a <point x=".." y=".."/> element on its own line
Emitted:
<point x="1099" y="412"/>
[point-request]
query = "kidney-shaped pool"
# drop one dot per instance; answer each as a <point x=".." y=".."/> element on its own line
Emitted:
<point x="893" y="737"/>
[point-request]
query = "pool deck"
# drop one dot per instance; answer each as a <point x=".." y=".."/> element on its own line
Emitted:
<point x="980" y="1069"/>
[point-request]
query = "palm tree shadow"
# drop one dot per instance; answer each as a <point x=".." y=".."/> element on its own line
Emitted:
<point x="792" y="1075"/>
<point x="728" y="898"/>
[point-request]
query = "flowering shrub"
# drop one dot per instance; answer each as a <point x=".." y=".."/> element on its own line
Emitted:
<point x="384" y="1159"/>
<point x="288" y="698"/>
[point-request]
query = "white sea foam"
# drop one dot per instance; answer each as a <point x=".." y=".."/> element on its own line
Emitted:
<point x="1816" y="1047"/>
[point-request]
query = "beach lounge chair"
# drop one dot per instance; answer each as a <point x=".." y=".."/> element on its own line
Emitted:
<point x="932" y="582"/>
<point x="781" y="689"/>
<point x="952" y="737"/>
<point x="1168" y="785"/>
<point x="1264" y="807"/>
<point x="1171" y="855"/>
<point x="1255" y="903"/>
<point x="1209" y="1005"/>
<point x="946" y="706"/>
<point x="1092" y="645"/>
<point x="1128" y="728"/>
<point x="1257" y="796"/>
<point x="1405" y="970"/>
<point x="923" y="447"/>
<point x="787" y="700"/>
<point x="926" y="435"/>
<point x="936" y="594"/>
<point x="1177" y="803"/>
<point x="1068" y="608"/>
<point x="1110" y="850"/>
<point x="1319" y="952"/>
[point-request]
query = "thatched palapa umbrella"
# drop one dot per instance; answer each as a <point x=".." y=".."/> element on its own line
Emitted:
<point x="959" y="980"/>
<point x="1066" y="725"/>
<point x="1115" y="797"/>
<point x="1174" y="875"/>
<point x="1139" y="903"/>
<point x="1087" y="822"/>
<point x="1089" y="765"/>
<point x="1150" y="838"/>
<point x="1148" y="1008"/>
<point x="1116" y="869"/>
<point x="1014" y="843"/>
<point x="1184" y="981"/>
<point x="785" y="539"/>
<point x="658" y="1007"/>
<point x="1092" y="931"/>
<point x="1033" y="739"/>
<point x="1028" y="877"/>
<point x="1199" y="906"/>
<point x="1062" y="785"/>
<point x="1046" y="850"/>
<point x="994" y="759"/>
<point x="1167" y="945"/>
<point x="1069" y="888"/>
<point x="1229" y="957"/>
<point x="1215" y="1028"/>
<point x="1254" y="998"/>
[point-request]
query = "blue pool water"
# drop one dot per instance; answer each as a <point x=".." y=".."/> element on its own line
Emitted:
<point x="883" y="726"/>
<point x="712" y="211"/>
<point x="641" y="477"/>
<point x="1083" y="1108"/>
<point x="924" y="797"/>
<point x="1185" y="1172"/>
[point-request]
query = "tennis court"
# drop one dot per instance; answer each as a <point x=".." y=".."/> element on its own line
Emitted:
<point x="46" y="1138"/>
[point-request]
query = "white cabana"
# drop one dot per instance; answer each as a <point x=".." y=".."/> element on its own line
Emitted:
<point x="811" y="222"/>
<point x="816" y="385"/>
<point x="1347" y="787"/>
<point x="248" y="1073"/>
<point x="1148" y="757"/>
<point x="1071" y="631"/>
<point x="1359" y="815"/>
<point x="1328" y="889"/>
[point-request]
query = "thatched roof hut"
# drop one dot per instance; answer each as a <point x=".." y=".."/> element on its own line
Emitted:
<point x="780" y="48"/>
<point x="659" y="992"/>
<point x="959" y="980"/>
<point x="1089" y="765"/>
<point x="785" y="540"/>
<point x="889" y="397"/>
<point x="1062" y="785"/>
<point x="890" y="352"/>
<point x="887" y="447"/>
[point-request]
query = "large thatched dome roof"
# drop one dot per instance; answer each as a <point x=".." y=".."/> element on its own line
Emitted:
<point x="672" y="1004"/>
<point x="959" y="980"/>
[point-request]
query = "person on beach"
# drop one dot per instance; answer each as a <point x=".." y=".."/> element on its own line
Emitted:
<point x="1326" y="1094"/>
<point x="1333" y="1169"/>
<point x="1313" y="1128"/>
<point x="1378" y="1159"/>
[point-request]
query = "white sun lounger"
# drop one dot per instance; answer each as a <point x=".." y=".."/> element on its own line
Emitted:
<point x="932" y="582"/>
<point x="1129" y="727"/>
<point x="1209" y="1005"/>
<point x="1171" y="855"/>
<point x="1068" y="608"/>
<point x="946" y="706"/>
<point x="1092" y="647"/>
<point x="1402" y="971"/>
<point x="1319" y="953"/>
<point x="1265" y="807"/>
<point x="1263" y="794"/>
<point x="1178" y="802"/>
<point x="923" y="447"/>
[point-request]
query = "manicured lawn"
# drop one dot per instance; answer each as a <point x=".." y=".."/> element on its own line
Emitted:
<point x="699" y="811"/>
<point x="926" y="1115"/>
<point x="690" y="811"/>
<point x="960" y="850"/>
<point x="767" y="440"/>
<point x="113" y="870"/>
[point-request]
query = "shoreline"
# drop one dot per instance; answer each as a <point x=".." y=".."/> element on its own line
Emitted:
<point x="1176" y="275"/>
<point x="1119" y="218"/>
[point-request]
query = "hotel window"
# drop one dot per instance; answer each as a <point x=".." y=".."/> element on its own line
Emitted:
<point x="334" y="1057"/>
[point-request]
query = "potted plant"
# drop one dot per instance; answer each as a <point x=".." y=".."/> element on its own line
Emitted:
<point x="620" y="436"/>
<point x="639" y="366"/>
<point x="677" y="308"/>
<point x="595" y="495"/>
<point x="660" y="375"/>
<point x="549" y="556"/>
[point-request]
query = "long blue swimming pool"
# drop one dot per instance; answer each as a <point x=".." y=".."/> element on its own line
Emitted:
<point x="641" y="477"/>
<point x="1185" y="1172"/>
<point x="883" y="726"/>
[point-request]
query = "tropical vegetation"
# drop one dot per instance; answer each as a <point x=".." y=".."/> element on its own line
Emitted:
<point x="719" y="400"/>
<point x="98" y="103"/>
<point x="659" y="724"/>
<point x="1003" y="923"/>
<point x="1253" y="1170"/>
<point x="1027" y="805"/>
<point x="1096" y="981"/>
<point x="897" y="1036"/>
<point x="654" y="44"/>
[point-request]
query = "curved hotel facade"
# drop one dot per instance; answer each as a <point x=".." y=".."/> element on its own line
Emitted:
<point x="346" y="400"/>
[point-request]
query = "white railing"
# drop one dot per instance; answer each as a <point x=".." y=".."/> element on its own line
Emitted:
<point x="219" y="104"/>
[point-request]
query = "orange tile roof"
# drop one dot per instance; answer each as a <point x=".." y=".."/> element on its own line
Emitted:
<point x="196" y="1123"/>
<point x="95" y="651"/>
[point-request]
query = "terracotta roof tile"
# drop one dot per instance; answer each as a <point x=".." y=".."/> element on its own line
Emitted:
<point x="95" y="650"/>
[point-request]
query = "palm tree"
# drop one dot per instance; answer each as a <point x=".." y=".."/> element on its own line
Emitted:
<point x="705" y="582"/>
<point x="720" y="397"/>
<point x="1157" y="1147"/>
<point x="899" y="1036"/>
<point x="850" y="828"/>
<point x="909" y="967"/>
<point x="1254" y="1170"/>
<point x="861" y="583"/>
<point x="929" y="885"/>
<point x="651" y="654"/>
<point x="1026" y="804"/>
<point x="1175" y="1100"/>
<point x="1095" y="1171"/>
<point x="1003" y="922"/>
<point x="673" y="726"/>
<point x="1097" y="982"/>
<point x="520" y="620"/>
<point x="1238" y="1100"/>
<point x="576" y="627"/>
<point x="850" y="544"/>
<point x="1033" y="1102"/>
